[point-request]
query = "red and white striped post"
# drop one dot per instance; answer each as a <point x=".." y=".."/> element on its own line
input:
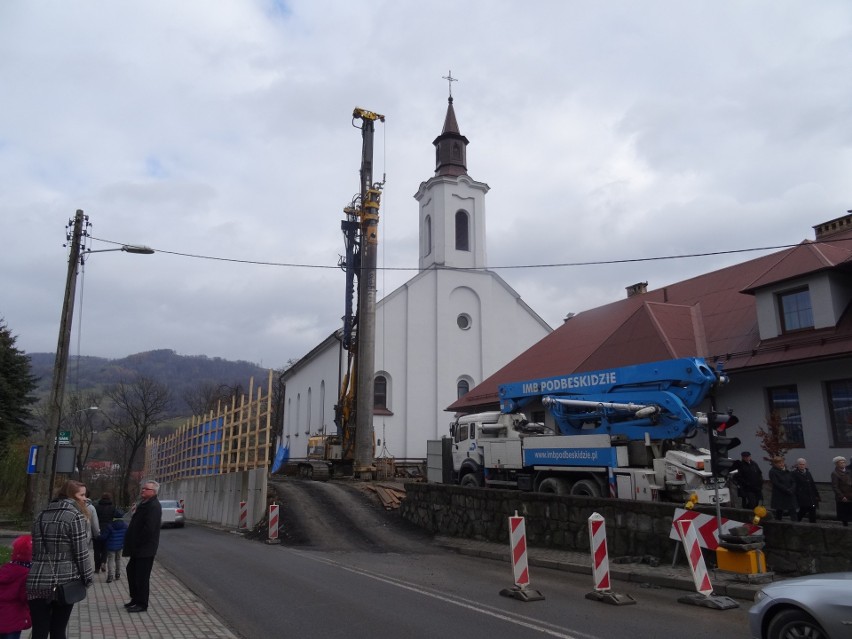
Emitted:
<point x="243" y="515"/>
<point x="600" y="565"/>
<point x="600" y="558"/>
<point x="518" y="542"/>
<point x="520" y="565"/>
<point x="689" y="539"/>
<point x="273" y="524"/>
<point x="704" y="595"/>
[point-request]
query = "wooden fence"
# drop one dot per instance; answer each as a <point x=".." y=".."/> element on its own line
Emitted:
<point x="229" y="440"/>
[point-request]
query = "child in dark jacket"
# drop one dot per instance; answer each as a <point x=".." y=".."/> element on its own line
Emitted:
<point x="14" y="611"/>
<point x="114" y="545"/>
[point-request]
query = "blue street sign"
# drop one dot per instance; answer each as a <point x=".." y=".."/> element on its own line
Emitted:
<point x="32" y="460"/>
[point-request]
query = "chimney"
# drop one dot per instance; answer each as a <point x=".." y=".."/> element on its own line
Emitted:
<point x="837" y="225"/>
<point x="567" y="317"/>
<point x="637" y="289"/>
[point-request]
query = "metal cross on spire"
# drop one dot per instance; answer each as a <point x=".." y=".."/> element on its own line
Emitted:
<point x="450" y="79"/>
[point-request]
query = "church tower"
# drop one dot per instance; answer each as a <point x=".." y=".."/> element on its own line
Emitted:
<point x="452" y="205"/>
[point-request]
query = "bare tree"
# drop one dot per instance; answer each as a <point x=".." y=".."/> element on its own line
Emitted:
<point x="202" y="398"/>
<point x="138" y="407"/>
<point x="207" y="396"/>
<point x="82" y="422"/>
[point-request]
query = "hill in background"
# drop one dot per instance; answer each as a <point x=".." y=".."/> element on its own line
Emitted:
<point x="181" y="373"/>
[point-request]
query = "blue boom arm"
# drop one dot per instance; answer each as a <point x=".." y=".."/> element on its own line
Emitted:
<point x="630" y="401"/>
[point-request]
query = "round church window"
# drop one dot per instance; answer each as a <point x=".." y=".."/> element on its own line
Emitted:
<point x="463" y="321"/>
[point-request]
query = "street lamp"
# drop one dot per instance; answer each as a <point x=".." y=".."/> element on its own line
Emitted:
<point x="76" y="257"/>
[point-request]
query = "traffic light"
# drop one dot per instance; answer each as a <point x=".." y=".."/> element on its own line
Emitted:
<point x="720" y="444"/>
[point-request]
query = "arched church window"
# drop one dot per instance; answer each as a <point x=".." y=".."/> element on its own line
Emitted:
<point x="462" y="388"/>
<point x="427" y="235"/>
<point x="462" y="231"/>
<point x="456" y="152"/>
<point x="380" y="392"/>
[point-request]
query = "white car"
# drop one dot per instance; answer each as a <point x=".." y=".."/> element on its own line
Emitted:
<point x="172" y="513"/>
<point x="812" y="607"/>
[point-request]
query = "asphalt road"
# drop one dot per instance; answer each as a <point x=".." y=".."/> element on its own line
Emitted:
<point x="337" y="584"/>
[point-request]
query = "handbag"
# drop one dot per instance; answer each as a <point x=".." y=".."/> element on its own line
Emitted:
<point x="70" y="592"/>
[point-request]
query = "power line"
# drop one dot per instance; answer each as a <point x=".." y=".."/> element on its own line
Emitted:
<point x="489" y="268"/>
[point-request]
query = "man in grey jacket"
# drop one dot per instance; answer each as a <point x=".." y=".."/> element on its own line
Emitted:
<point x="140" y="544"/>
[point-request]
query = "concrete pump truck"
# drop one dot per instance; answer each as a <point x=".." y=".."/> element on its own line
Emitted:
<point x="619" y="432"/>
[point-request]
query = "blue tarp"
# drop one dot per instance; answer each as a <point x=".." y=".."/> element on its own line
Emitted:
<point x="281" y="457"/>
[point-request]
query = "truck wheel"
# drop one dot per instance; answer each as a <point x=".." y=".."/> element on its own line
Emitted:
<point x="471" y="480"/>
<point x="586" y="488"/>
<point x="555" y="486"/>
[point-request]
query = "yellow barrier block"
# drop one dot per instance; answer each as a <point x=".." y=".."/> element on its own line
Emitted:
<point x="750" y="562"/>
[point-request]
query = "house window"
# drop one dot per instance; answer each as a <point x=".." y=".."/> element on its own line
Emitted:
<point x="796" y="311"/>
<point x="840" y="411"/>
<point x="380" y="392"/>
<point x="462" y="231"/>
<point x="784" y="401"/>
<point x="462" y="388"/>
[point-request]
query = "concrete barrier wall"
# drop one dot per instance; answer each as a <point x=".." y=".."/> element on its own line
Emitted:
<point x="216" y="498"/>
<point x="633" y="528"/>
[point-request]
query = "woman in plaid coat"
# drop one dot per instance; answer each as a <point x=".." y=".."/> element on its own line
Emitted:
<point x="60" y="555"/>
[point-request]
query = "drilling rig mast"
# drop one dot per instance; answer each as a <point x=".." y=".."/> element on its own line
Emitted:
<point x="354" y="410"/>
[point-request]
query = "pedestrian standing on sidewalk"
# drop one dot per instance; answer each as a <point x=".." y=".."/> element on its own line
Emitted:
<point x="106" y="512"/>
<point x="14" y="611"/>
<point x="749" y="480"/>
<point x="783" y="490"/>
<point x="116" y="532"/>
<point x="841" y="483"/>
<point x="807" y="493"/>
<point x="94" y="529"/>
<point x="60" y="555"/>
<point x="140" y="544"/>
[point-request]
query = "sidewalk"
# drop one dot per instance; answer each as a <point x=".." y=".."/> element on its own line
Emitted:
<point x="173" y="610"/>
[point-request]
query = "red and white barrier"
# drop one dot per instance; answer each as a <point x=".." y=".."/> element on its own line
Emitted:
<point x="518" y="541"/>
<point x="273" y="522"/>
<point x="600" y="558"/>
<point x="706" y="527"/>
<point x="243" y="515"/>
<point x="689" y="537"/>
<point x="520" y="564"/>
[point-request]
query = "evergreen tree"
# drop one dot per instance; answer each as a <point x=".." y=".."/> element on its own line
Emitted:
<point x="16" y="386"/>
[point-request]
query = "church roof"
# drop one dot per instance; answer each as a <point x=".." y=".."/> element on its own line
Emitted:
<point x="712" y="315"/>
<point x="451" y="146"/>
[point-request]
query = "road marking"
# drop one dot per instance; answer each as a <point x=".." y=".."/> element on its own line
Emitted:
<point x="475" y="606"/>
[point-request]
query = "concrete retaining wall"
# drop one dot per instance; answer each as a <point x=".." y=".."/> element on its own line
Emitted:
<point x="216" y="498"/>
<point x="633" y="528"/>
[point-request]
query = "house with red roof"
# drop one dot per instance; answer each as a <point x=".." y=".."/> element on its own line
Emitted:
<point x="780" y="325"/>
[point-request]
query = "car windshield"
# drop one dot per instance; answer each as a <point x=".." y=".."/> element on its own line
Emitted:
<point x="169" y="504"/>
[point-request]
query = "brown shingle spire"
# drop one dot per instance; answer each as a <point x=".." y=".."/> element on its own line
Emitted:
<point x="450" y="146"/>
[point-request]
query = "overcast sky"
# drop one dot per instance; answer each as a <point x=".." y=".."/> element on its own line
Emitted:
<point x="606" y="131"/>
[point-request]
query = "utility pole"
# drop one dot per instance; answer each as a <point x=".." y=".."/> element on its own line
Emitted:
<point x="370" y="195"/>
<point x="60" y="366"/>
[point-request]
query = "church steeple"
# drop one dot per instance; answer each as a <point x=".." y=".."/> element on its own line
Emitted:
<point x="452" y="205"/>
<point x="451" y="145"/>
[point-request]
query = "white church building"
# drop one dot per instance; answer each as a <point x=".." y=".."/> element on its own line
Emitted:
<point x="438" y="335"/>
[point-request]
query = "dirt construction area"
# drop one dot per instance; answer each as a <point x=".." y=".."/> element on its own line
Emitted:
<point x="341" y="515"/>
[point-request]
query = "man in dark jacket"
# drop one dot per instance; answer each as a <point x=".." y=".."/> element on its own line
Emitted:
<point x="749" y="480"/>
<point x="140" y="544"/>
